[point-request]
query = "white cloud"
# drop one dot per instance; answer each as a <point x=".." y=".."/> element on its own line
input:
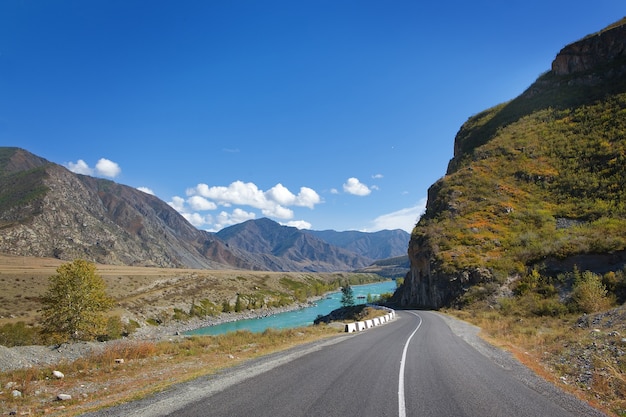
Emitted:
<point x="238" y="192"/>
<point x="199" y="203"/>
<point x="334" y="191"/>
<point x="307" y="197"/>
<point x="278" y="211"/>
<point x="377" y="176"/>
<point x="224" y="219"/>
<point x="300" y="224"/>
<point x="355" y="187"/>
<point x="274" y="202"/>
<point x="198" y="220"/>
<point x="104" y="168"/>
<point x="178" y="204"/>
<point x="80" y="167"/>
<point x="146" y="190"/>
<point x="280" y="194"/>
<point x="107" y="168"/>
<point x="404" y="219"/>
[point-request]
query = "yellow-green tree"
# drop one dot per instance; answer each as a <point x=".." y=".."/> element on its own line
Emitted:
<point x="75" y="303"/>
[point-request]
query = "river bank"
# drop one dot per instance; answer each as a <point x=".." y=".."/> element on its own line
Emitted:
<point x="177" y="328"/>
<point x="19" y="357"/>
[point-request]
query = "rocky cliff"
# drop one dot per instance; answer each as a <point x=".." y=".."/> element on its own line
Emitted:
<point x="533" y="182"/>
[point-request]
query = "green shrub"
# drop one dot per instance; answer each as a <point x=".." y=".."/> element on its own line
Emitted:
<point x="589" y="294"/>
<point x="19" y="334"/>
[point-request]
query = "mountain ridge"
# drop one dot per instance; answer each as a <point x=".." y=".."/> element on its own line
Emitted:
<point x="48" y="211"/>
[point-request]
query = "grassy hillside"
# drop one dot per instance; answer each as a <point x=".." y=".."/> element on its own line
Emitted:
<point x="542" y="176"/>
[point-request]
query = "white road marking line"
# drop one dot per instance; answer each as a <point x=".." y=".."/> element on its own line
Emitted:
<point x="401" y="403"/>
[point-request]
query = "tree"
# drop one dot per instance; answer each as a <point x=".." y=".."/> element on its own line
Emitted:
<point x="347" y="296"/>
<point x="75" y="303"/>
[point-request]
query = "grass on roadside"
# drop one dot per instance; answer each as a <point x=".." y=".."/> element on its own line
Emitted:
<point x="129" y="370"/>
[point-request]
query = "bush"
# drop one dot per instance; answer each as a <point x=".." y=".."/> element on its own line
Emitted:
<point x="589" y="294"/>
<point x="19" y="334"/>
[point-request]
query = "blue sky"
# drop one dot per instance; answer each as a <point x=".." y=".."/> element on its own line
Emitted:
<point x="317" y="114"/>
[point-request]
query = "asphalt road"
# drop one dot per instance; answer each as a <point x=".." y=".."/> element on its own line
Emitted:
<point x="420" y="364"/>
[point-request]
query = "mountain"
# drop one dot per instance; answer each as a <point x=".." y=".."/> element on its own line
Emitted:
<point x="376" y="245"/>
<point x="536" y="183"/>
<point x="48" y="211"/>
<point x="288" y="248"/>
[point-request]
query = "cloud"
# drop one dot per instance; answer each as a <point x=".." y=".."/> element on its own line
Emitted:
<point x="107" y="168"/>
<point x="104" y="168"/>
<point x="198" y="220"/>
<point x="199" y="203"/>
<point x="80" y="167"/>
<point x="178" y="204"/>
<point x="146" y="190"/>
<point x="224" y="219"/>
<point x="273" y="202"/>
<point x="334" y="191"/>
<point x="300" y="224"/>
<point x="404" y="219"/>
<point x="377" y="176"/>
<point x="355" y="187"/>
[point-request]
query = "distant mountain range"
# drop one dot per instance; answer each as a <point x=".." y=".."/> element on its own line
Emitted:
<point x="48" y="211"/>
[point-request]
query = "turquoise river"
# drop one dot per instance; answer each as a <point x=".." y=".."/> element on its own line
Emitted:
<point x="301" y="317"/>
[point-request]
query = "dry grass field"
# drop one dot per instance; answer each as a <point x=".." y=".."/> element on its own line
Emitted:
<point x="143" y="293"/>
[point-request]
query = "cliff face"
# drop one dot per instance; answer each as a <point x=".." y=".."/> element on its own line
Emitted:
<point x="510" y="184"/>
<point x="593" y="51"/>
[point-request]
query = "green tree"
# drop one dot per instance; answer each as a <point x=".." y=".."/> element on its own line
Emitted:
<point x="75" y="303"/>
<point x="347" y="296"/>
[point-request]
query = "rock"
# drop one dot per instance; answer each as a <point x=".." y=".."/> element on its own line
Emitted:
<point x="119" y="360"/>
<point x="58" y="374"/>
<point x="64" y="397"/>
<point x="590" y="52"/>
<point x="10" y="385"/>
<point x="16" y="394"/>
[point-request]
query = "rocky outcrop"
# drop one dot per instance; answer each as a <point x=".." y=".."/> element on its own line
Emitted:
<point x="593" y="51"/>
<point x="427" y="285"/>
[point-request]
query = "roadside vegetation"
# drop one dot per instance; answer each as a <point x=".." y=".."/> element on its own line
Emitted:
<point x="128" y="370"/>
<point x="570" y="329"/>
<point x="146" y="297"/>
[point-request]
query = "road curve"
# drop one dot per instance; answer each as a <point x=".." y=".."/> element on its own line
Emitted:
<point x="415" y="365"/>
